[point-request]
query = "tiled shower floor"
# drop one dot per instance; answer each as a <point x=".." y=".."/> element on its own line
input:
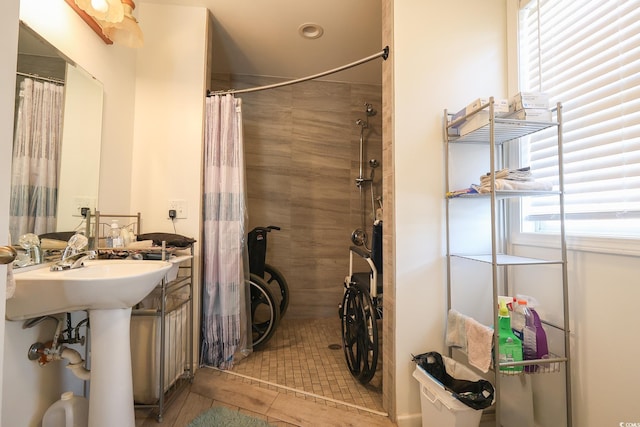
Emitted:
<point x="302" y="357"/>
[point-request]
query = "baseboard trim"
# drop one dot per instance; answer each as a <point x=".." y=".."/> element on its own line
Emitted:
<point x="410" y="420"/>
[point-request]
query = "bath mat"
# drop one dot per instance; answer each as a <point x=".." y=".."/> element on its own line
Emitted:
<point x="221" y="416"/>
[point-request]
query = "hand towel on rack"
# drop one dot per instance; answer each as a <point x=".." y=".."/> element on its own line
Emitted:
<point x="479" y="344"/>
<point x="456" y="330"/>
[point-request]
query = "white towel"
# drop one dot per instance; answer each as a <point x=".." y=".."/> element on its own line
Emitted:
<point x="11" y="281"/>
<point x="456" y="330"/>
<point x="479" y="344"/>
<point x="506" y="184"/>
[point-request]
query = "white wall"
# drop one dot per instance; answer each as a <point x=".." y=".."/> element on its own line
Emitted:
<point x="445" y="55"/>
<point x="171" y="85"/>
<point x="169" y="111"/>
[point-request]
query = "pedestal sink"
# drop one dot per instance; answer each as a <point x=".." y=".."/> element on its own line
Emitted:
<point x="107" y="289"/>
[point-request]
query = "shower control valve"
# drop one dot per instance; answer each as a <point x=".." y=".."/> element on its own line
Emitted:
<point x="360" y="181"/>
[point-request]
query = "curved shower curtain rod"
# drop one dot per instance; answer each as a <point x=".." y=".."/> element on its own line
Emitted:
<point x="384" y="54"/>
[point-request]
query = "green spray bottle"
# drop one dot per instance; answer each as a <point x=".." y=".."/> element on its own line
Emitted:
<point x="510" y="347"/>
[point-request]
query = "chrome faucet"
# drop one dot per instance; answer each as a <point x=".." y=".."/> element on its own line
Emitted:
<point x="72" y="257"/>
<point x="73" y="261"/>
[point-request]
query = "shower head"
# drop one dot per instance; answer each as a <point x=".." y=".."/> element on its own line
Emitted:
<point x="370" y="110"/>
<point x="373" y="163"/>
<point x="361" y="122"/>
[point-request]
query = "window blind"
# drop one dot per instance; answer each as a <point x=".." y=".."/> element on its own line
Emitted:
<point x="585" y="54"/>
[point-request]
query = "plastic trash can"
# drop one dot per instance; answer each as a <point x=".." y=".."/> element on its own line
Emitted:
<point x="439" y="407"/>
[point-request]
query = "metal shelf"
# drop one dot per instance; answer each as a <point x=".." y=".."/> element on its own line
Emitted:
<point x="494" y="132"/>
<point x="503" y="259"/>
<point x="505" y="130"/>
<point x="506" y="194"/>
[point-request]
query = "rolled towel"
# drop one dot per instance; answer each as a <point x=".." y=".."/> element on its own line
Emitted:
<point x="479" y="344"/>
<point x="456" y="330"/>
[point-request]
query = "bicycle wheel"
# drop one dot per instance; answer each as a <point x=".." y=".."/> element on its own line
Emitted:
<point x="271" y="275"/>
<point x="359" y="334"/>
<point x="265" y="313"/>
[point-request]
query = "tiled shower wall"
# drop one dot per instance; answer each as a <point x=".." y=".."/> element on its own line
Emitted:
<point x="302" y="159"/>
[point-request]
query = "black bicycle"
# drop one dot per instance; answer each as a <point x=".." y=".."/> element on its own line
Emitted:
<point x="269" y="288"/>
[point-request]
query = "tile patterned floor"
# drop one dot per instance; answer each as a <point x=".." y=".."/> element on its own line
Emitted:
<point x="301" y="356"/>
<point x="212" y="388"/>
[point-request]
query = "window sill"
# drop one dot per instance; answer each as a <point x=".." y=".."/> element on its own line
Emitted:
<point x="603" y="245"/>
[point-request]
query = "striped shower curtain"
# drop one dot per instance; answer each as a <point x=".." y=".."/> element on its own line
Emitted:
<point x="36" y="150"/>
<point x="224" y="319"/>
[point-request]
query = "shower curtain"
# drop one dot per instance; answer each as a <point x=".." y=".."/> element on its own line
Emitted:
<point x="36" y="150"/>
<point x="224" y="297"/>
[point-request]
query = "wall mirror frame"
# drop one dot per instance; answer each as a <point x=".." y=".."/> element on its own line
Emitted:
<point x="81" y="133"/>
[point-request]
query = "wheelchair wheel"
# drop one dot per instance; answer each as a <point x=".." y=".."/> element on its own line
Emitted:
<point x="272" y="274"/>
<point x="265" y="313"/>
<point x="359" y="333"/>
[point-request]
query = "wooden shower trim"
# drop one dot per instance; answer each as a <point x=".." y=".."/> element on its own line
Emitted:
<point x="90" y="21"/>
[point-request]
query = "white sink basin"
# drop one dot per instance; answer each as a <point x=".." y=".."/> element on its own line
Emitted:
<point x="100" y="284"/>
<point x="107" y="289"/>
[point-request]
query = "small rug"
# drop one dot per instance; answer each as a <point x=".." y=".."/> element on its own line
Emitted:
<point x="221" y="416"/>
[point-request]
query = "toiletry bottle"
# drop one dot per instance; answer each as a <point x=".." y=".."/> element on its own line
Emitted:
<point x="542" y="347"/>
<point x="510" y="347"/>
<point x="114" y="236"/>
<point x="518" y="318"/>
<point x="524" y="328"/>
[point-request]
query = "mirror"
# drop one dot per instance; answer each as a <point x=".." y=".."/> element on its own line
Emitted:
<point x="80" y="135"/>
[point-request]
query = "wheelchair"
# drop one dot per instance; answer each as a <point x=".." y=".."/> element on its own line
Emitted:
<point x="360" y="309"/>
<point x="265" y="312"/>
<point x="257" y="246"/>
<point x="269" y="288"/>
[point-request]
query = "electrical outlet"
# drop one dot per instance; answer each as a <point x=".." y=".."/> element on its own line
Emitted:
<point x="180" y="206"/>
<point x="80" y="203"/>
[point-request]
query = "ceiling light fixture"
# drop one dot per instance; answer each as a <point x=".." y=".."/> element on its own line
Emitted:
<point x="310" y="30"/>
<point x="126" y="32"/>
<point x="103" y="10"/>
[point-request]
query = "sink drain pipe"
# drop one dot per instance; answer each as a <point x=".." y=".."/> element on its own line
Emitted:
<point x="52" y="350"/>
<point x="44" y="353"/>
<point x="76" y="363"/>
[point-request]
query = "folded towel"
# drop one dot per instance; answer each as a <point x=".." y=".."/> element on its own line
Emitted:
<point x="456" y="330"/>
<point x="522" y="174"/>
<point x="479" y="344"/>
<point x="52" y="244"/>
<point x="506" y="184"/>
